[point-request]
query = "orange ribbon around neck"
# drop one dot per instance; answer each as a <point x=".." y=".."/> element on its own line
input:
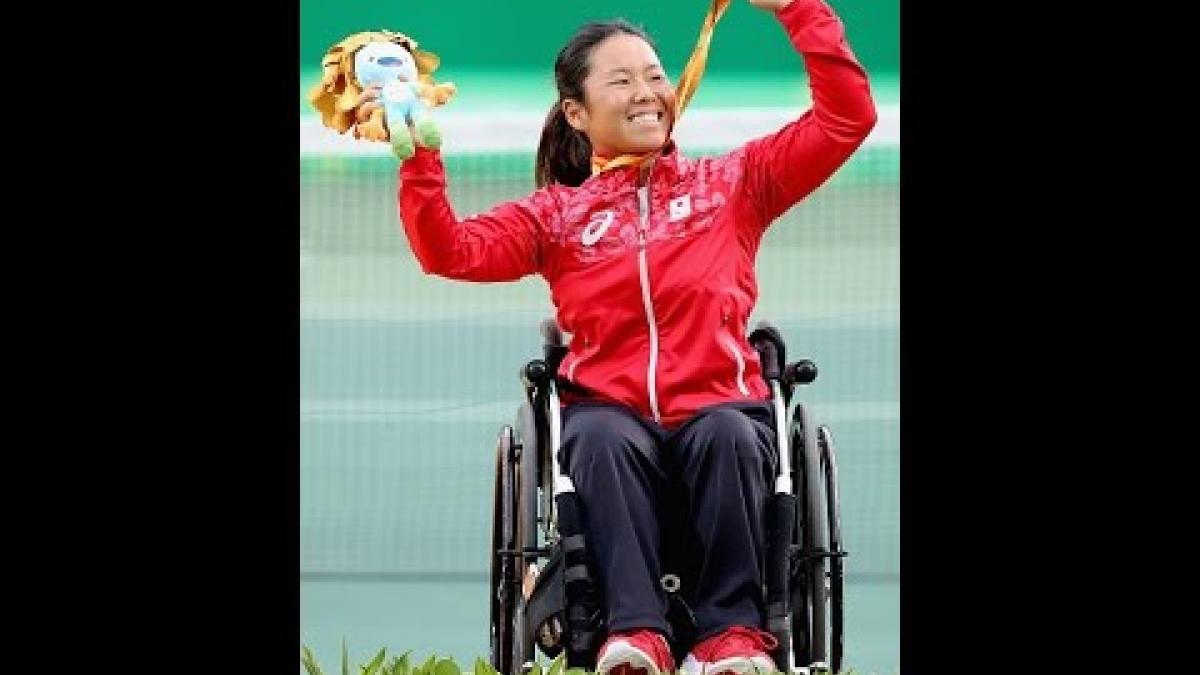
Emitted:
<point x="689" y="81"/>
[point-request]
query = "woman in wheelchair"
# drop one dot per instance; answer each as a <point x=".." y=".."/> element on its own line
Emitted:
<point x="649" y="257"/>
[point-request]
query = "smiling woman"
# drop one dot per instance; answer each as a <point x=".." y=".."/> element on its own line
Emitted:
<point x="624" y="105"/>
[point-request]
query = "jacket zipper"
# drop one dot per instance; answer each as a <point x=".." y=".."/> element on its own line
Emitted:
<point x="643" y="194"/>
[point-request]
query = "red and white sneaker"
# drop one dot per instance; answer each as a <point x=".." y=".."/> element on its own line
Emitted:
<point x="635" y="652"/>
<point x="739" y="649"/>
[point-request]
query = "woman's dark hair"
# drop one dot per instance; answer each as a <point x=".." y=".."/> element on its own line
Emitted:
<point x="565" y="155"/>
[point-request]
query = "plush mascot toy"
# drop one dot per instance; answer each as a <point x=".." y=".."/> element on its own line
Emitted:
<point x="392" y="62"/>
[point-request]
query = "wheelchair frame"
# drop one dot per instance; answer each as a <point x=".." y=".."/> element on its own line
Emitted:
<point x="809" y="622"/>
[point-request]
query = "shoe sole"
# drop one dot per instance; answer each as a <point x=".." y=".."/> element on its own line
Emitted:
<point x="740" y="665"/>
<point x="623" y="658"/>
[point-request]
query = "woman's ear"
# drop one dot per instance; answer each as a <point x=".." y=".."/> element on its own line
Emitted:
<point x="576" y="114"/>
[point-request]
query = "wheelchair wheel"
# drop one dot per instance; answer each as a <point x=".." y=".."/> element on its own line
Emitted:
<point x="527" y="484"/>
<point x="505" y="587"/>
<point x="527" y="448"/>
<point x="837" y="563"/>
<point x="809" y="584"/>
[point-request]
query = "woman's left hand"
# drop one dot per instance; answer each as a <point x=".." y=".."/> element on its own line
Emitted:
<point x="771" y="5"/>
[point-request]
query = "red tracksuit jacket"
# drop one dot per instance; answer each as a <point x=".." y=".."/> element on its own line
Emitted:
<point x="655" y="282"/>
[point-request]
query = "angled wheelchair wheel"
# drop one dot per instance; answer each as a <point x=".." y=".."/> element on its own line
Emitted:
<point x="530" y="449"/>
<point x="837" y="563"/>
<point x="811" y="618"/>
<point x="505" y="587"/>
<point x="527" y="447"/>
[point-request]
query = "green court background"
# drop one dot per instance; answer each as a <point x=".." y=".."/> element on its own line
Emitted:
<point x="406" y="379"/>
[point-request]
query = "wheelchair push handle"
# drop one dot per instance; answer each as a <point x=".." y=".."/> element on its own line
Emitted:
<point x="768" y="341"/>
<point x="534" y="374"/>
<point x="770" y="361"/>
<point x="551" y="333"/>
<point x="553" y="349"/>
<point x="801" y="372"/>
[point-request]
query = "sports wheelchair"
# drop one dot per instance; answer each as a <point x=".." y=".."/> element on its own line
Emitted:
<point x="543" y="594"/>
